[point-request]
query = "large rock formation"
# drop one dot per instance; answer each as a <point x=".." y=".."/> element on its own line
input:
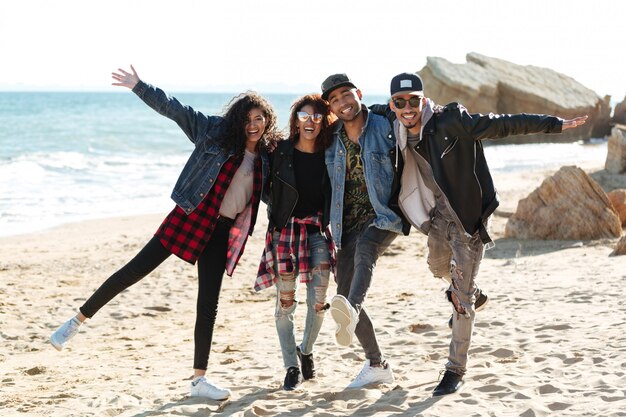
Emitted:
<point x="620" y="247"/>
<point x="618" y="199"/>
<point x="485" y="85"/>
<point x="569" y="205"/>
<point x="619" y="114"/>
<point x="616" y="151"/>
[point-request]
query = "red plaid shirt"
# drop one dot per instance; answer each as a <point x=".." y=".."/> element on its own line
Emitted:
<point x="292" y="247"/>
<point x="186" y="235"/>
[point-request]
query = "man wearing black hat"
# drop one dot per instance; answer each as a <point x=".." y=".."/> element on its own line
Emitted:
<point x="359" y="163"/>
<point x="447" y="193"/>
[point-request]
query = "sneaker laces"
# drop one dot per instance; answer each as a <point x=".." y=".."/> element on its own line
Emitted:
<point x="364" y="371"/>
<point x="360" y="376"/>
<point x="368" y="367"/>
<point x="198" y="380"/>
<point x="72" y="328"/>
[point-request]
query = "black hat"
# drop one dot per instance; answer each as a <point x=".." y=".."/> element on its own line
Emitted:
<point x="407" y="83"/>
<point x="333" y="82"/>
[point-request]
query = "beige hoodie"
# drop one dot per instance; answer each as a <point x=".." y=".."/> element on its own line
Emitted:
<point x="416" y="200"/>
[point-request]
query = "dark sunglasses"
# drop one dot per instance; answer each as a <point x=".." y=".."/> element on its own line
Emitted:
<point x="413" y="102"/>
<point x="304" y="116"/>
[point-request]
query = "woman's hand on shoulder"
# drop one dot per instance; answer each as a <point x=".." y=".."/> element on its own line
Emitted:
<point x="125" y="79"/>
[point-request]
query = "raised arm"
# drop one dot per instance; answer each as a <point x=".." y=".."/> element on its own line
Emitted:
<point x="494" y="126"/>
<point x="193" y="123"/>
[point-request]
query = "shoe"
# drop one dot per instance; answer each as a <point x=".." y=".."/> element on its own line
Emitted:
<point x="202" y="387"/>
<point x="450" y="383"/>
<point x="373" y="375"/>
<point x="306" y="363"/>
<point x="480" y="304"/>
<point x="65" y="332"/>
<point x="292" y="379"/>
<point x="345" y="317"/>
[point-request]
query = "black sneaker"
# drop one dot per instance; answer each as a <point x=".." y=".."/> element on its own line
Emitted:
<point x="306" y="363"/>
<point x="450" y="383"/>
<point x="292" y="379"/>
<point x="480" y="304"/>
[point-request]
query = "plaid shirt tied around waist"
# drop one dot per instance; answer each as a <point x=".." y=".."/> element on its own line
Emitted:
<point x="187" y="234"/>
<point x="292" y="249"/>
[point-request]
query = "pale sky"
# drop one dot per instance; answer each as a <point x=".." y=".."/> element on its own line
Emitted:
<point x="292" y="45"/>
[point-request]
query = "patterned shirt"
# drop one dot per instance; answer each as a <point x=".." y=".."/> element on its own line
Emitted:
<point x="186" y="235"/>
<point x="357" y="208"/>
<point x="291" y="248"/>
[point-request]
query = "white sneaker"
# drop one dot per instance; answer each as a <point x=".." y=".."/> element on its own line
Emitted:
<point x="201" y="387"/>
<point x="65" y="332"/>
<point x="373" y="375"/>
<point x="345" y="317"/>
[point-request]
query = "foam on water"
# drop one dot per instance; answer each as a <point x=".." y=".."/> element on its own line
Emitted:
<point x="43" y="190"/>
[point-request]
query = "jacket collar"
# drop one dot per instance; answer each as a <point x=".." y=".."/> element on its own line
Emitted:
<point x="427" y="114"/>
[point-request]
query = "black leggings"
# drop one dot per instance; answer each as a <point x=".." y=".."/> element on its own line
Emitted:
<point x="211" y="266"/>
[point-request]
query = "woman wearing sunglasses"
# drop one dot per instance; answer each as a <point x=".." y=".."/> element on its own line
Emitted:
<point x="298" y="243"/>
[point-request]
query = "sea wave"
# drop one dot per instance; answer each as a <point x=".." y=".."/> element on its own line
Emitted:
<point x="41" y="190"/>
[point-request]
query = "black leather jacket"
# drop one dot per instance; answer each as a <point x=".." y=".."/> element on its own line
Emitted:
<point x="282" y="193"/>
<point x="451" y="145"/>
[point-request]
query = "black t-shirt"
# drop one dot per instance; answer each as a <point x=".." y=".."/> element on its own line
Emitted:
<point x="309" y="169"/>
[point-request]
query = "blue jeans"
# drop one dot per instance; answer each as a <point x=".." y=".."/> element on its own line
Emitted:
<point x="456" y="258"/>
<point x="286" y="302"/>
<point x="356" y="260"/>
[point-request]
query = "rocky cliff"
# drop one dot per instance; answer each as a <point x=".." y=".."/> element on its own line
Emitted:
<point x="485" y="85"/>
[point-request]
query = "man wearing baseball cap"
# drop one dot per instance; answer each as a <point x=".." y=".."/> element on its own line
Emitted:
<point x="361" y="169"/>
<point x="447" y="193"/>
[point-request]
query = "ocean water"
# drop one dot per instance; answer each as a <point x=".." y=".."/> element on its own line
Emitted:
<point x="71" y="156"/>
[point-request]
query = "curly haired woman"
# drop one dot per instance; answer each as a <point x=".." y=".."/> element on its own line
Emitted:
<point x="217" y="199"/>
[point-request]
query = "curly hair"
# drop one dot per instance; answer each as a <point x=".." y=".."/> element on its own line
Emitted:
<point x="320" y="106"/>
<point x="236" y="116"/>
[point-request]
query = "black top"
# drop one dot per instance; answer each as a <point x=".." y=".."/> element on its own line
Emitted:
<point x="309" y="169"/>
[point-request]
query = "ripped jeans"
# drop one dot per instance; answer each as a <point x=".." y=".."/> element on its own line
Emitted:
<point x="286" y="302"/>
<point x="456" y="258"/>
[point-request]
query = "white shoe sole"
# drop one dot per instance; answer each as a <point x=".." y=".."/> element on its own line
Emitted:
<point x="371" y="384"/>
<point x="344" y="335"/>
<point x="214" y="398"/>
<point x="482" y="306"/>
<point x="56" y="345"/>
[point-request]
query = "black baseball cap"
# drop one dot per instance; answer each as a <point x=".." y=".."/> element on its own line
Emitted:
<point x="407" y="83"/>
<point x="333" y="82"/>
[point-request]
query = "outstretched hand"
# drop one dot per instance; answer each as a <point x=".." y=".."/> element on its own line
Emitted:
<point x="125" y="79"/>
<point x="575" y="122"/>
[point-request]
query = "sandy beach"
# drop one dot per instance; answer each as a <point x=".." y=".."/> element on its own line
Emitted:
<point x="552" y="340"/>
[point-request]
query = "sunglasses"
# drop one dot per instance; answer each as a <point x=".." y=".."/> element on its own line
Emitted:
<point x="413" y="102"/>
<point x="304" y="116"/>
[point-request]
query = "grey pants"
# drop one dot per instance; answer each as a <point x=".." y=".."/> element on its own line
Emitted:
<point x="455" y="257"/>
<point x="355" y="265"/>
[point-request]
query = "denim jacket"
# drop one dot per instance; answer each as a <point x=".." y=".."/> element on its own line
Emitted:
<point x="377" y="149"/>
<point x="205" y="162"/>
